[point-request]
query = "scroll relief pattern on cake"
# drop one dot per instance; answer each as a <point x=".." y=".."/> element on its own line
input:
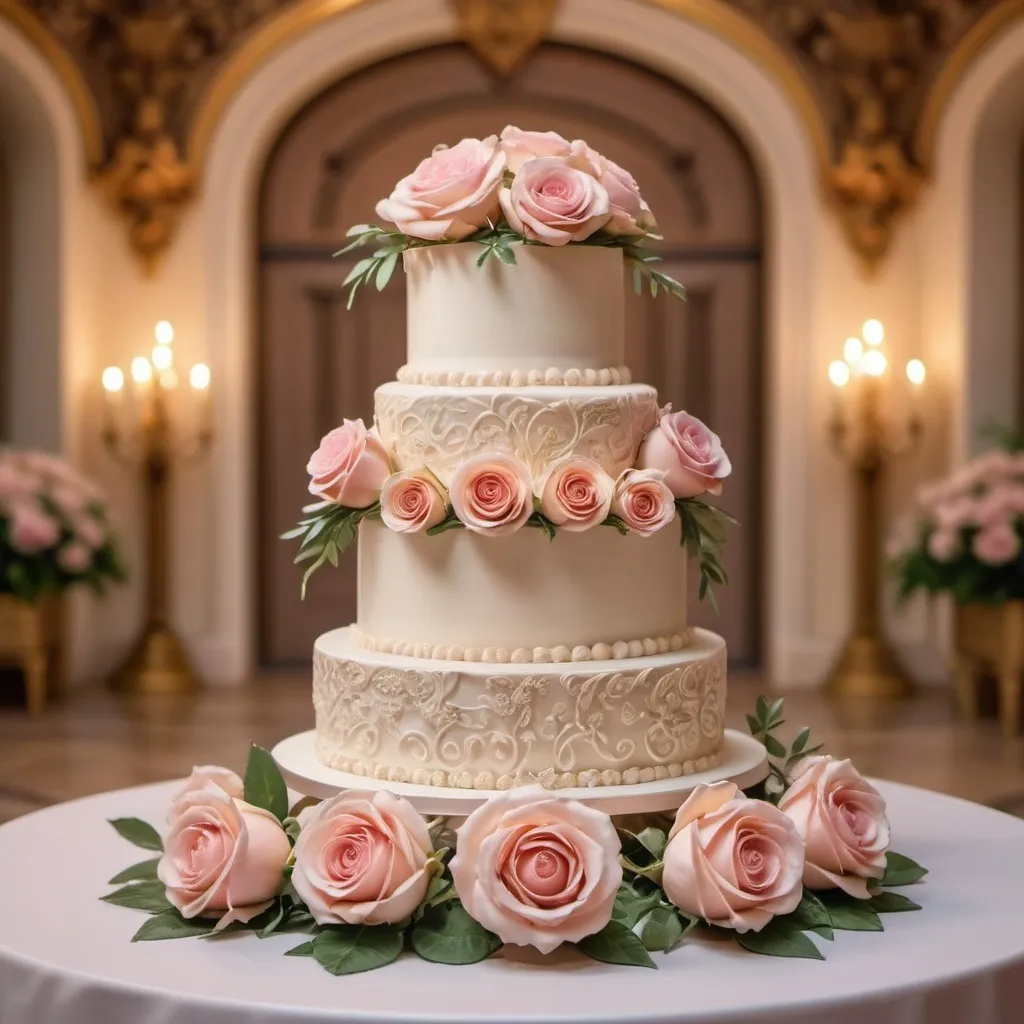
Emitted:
<point x="476" y="728"/>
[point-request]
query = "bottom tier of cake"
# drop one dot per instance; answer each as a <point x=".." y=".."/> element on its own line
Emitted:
<point x="475" y="725"/>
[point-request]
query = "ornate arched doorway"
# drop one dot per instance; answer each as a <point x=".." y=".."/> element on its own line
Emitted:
<point x="319" y="362"/>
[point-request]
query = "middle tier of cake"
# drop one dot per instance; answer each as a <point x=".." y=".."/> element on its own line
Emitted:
<point x="593" y="595"/>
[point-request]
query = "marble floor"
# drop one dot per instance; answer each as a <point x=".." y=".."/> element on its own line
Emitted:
<point x="94" y="740"/>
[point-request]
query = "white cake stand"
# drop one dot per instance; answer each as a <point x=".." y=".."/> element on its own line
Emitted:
<point x="744" y="762"/>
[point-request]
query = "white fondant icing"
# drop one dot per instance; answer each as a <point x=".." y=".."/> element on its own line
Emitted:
<point x="492" y="595"/>
<point x="442" y="427"/>
<point x="557" y="309"/>
<point x="515" y="378"/>
<point x="446" y="723"/>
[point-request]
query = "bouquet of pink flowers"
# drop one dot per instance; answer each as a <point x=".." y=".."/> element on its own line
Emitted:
<point x="54" y="529"/>
<point x="968" y="533"/>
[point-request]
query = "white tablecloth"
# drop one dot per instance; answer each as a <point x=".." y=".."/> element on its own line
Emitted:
<point x="65" y="958"/>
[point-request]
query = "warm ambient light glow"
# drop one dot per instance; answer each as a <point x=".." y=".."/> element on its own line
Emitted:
<point x="142" y="370"/>
<point x="164" y="333"/>
<point x="873" y="331"/>
<point x="163" y="357"/>
<point x="874" y="363"/>
<point x="169" y="380"/>
<point x="113" y="379"/>
<point x="915" y="371"/>
<point x="853" y="350"/>
<point x="839" y="373"/>
<point x="199" y="377"/>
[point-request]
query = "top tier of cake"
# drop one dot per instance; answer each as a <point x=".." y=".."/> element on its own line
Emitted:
<point x="556" y="317"/>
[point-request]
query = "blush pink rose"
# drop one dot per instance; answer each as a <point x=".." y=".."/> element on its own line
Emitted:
<point x="90" y="532"/>
<point x="222" y="858"/>
<point x="520" y="146"/>
<point x="362" y="859"/>
<point x="943" y="545"/>
<point x="731" y="861"/>
<point x="16" y="482"/>
<point x="451" y="194"/>
<point x="577" y="494"/>
<point x="410" y="502"/>
<point x="956" y="513"/>
<point x="350" y="466"/>
<point x="643" y="501"/>
<point x="202" y="774"/>
<point x="555" y="200"/>
<point x="996" y="544"/>
<point x="630" y="213"/>
<point x="31" y="530"/>
<point x="492" y="494"/>
<point x="74" y="558"/>
<point x="841" y="819"/>
<point x="70" y="499"/>
<point x="537" y="870"/>
<point x="689" y="454"/>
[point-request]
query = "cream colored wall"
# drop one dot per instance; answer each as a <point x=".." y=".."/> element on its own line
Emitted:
<point x="817" y="296"/>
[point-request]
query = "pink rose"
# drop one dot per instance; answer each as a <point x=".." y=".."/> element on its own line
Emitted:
<point x="69" y="499"/>
<point x="996" y="544"/>
<point x="643" y="501"/>
<point x="841" y="819"/>
<point x="451" y="194"/>
<point x="520" y="146"/>
<point x="577" y="494"/>
<point x="492" y="494"/>
<point x="31" y="529"/>
<point x="943" y="545"/>
<point x="350" y="466"/>
<point x="555" y="200"/>
<point x="537" y="870"/>
<point x="90" y="532"/>
<point x="410" y="502"/>
<point x="733" y="862"/>
<point x="691" y="455"/>
<point x="630" y="213"/>
<point x="956" y="513"/>
<point x="222" y="857"/>
<point x="362" y="859"/>
<point x="202" y="774"/>
<point x="74" y="559"/>
<point x="16" y="482"/>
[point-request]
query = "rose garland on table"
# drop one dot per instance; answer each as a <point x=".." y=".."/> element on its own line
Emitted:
<point x="805" y="853"/>
<point x="493" y="494"/>
<point x="532" y="188"/>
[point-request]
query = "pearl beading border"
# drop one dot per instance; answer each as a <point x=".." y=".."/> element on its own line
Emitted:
<point x="487" y="780"/>
<point x="528" y="655"/>
<point x="515" y="378"/>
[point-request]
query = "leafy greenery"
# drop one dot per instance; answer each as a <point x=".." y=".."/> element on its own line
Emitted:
<point x="353" y="949"/>
<point x="763" y="724"/>
<point x="171" y="925"/>
<point x="615" y="943"/>
<point x="264" y="785"/>
<point x="148" y="896"/>
<point x="901" y="870"/>
<point x="446" y="934"/>
<point x="139" y="832"/>
<point x="780" y="937"/>
<point x="703" y="535"/>
<point x="143" y="871"/>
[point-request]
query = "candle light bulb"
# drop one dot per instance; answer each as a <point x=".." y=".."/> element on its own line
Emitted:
<point x="853" y="351"/>
<point x="873" y="331"/>
<point x="164" y="333"/>
<point x="169" y="380"/>
<point x="839" y="373"/>
<point x="874" y="363"/>
<point x="916" y="372"/>
<point x="163" y="357"/>
<point x="113" y="379"/>
<point x="199" y="377"/>
<point x="142" y="370"/>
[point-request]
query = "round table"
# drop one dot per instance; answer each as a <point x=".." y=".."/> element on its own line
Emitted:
<point x="66" y="958"/>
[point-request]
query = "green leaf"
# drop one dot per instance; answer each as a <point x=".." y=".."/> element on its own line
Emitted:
<point x="506" y="255"/>
<point x="778" y="939"/>
<point x="631" y="906"/>
<point x="664" y="930"/>
<point x="436" y="889"/>
<point x="761" y="709"/>
<point x="451" y="523"/>
<point x="139" y="832"/>
<point x="358" y="270"/>
<point x="386" y="269"/>
<point x="849" y="914"/>
<point x="148" y="896"/>
<point x="303" y="949"/>
<point x="264" y="784"/>
<point x="892" y="903"/>
<point x="901" y="870"/>
<point x="654" y="841"/>
<point x="775" y="711"/>
<point x="143" y="871"/>
<point x="352" y="949"/>
<point x="448" y="935"/>
<point x="616" y="944"/>
<point x="753" y="725"/>
<point x="617" y="523"/>
<point x="810" y="912"/>
<point x="773" y="746"/>
<point x="171" y="925"/>
<point x="638" y="278"/>
<point x="801" y="740"/>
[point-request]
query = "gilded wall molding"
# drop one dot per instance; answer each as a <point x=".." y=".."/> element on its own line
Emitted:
<point x="870" y="79"/>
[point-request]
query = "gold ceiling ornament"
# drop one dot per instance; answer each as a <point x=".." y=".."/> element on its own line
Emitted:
<point x="504" y="33"/>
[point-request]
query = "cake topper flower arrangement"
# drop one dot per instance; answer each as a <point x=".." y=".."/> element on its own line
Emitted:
<point x="365" y="877"/>
<point x="533" y="188"/>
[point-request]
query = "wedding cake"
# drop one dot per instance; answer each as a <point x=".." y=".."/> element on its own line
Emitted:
<point x="518" y="503"/>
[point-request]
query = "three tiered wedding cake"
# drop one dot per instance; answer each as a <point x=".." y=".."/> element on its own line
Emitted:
<point x="486" y="655"/>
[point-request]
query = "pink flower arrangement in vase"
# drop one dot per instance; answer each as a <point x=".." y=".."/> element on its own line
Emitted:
<point x="522" y="187"/>
<point x="54" y="528"/>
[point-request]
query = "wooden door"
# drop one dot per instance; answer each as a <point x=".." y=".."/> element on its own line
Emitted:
<point x="320" y="363"/>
